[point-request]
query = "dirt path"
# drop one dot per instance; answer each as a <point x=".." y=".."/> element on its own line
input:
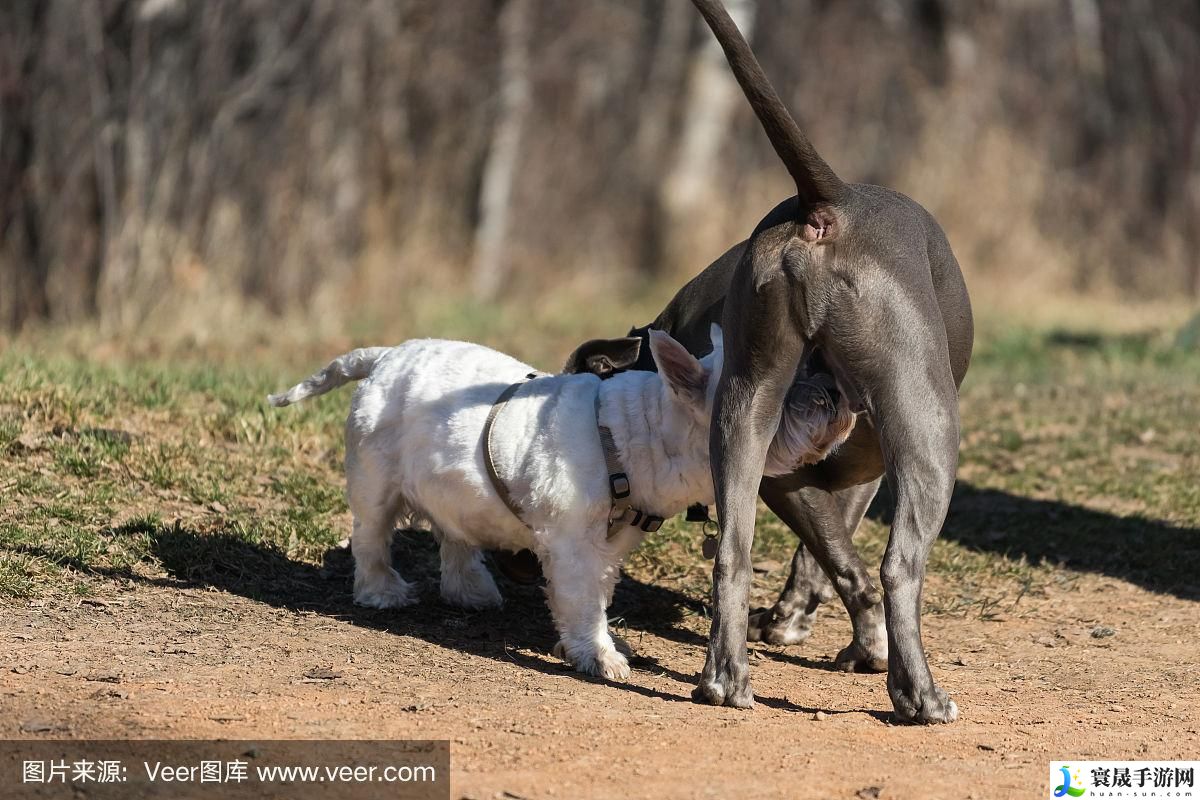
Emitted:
<point x="154" y="660"/>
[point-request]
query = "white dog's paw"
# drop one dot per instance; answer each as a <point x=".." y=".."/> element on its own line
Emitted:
<point x="607" y="664"/>
<point x="385" y="591"/>
<point x="474" y="589"/>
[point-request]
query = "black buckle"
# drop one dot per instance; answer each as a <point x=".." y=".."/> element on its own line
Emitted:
<point x="618" y="484"/>
<point x="697" y="512"/>
<point x="651" y="524"/>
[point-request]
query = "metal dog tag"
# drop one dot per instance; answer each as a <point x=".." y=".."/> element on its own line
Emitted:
<point x="710" y="547"/>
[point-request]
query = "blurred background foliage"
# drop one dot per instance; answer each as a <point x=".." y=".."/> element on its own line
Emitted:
<point x="177" y="164"/>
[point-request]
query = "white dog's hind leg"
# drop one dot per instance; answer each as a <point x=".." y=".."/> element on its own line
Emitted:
<point x="577" y="595"/>
<point x="466" y="581"/>
<point x="376" y="583"/>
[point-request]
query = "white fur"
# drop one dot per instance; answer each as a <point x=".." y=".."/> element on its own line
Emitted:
<point x="413" y="451"/>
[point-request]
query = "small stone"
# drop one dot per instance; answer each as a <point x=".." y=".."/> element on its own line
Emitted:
<point x="820" y="716"/>
<point x="103" y="677"/>
<point x="36" y="726"/>
<point x="868" y="793"/>
<point x="1102" y="632"/>
<point x="322" y="674"/>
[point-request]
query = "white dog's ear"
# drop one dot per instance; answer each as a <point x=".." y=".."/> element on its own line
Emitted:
<point x="716" y="337"/>
<point x="679" y="368"/>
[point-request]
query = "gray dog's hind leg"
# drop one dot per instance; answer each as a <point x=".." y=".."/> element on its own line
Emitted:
<point x="762" y="349"/>
<point x="919" y="436"/>
<point x="922" y="498"/>
<point x="826" y="522"/>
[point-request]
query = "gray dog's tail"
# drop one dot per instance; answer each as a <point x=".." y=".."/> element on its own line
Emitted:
<point x="816" y="182"/>
<point x="353" y="366"/>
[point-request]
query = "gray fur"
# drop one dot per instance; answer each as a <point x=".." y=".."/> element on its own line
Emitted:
<point x="857" y="281"/>
<point x="866" y="276"/>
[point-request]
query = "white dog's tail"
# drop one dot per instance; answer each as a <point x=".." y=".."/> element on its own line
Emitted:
<point x="353" y="366"/>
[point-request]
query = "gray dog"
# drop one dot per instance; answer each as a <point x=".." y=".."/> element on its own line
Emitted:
<point x="855" y="283"/>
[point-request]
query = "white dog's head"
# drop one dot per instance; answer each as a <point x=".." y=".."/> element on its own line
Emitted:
<point x="689" y="384"/>
<point x="814" y="421"/>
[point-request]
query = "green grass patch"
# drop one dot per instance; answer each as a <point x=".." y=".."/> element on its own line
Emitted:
<point x="1079" y="454"/>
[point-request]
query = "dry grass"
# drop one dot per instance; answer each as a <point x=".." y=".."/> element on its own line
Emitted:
<point x="1079" y="453"/>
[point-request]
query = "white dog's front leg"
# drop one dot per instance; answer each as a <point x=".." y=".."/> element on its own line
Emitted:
<point x="577" y="588"/>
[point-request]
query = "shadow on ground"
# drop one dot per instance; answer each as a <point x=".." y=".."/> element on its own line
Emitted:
<point x="265" y="574"/>
<point x="1146" y="552"/>
<point x="1152" y="554"/>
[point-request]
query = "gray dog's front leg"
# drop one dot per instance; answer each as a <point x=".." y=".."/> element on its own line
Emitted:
<point x="790" y="620"/>
<point x="826" y="522"/>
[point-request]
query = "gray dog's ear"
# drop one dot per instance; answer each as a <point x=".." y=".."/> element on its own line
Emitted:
<point x="603" y="357"/>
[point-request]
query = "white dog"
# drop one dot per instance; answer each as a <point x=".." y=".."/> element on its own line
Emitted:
<point x="414" y="450"/>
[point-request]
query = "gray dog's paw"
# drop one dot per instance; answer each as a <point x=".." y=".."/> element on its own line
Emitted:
<point x="765" y="626"/>
<point x="731" y="689"/>
<point x="855" y="658"/>
<point x="931" y="707"/>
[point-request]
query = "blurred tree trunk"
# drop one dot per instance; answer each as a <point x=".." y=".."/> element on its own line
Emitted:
<point x="500" y="169"/>
<point x="712" y="95"/>
<point x="169" y="161"/>
<point x="658" y="120"/>
<point x="22" y="265"/>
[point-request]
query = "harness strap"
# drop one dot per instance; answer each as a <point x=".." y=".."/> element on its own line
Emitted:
<point x="488" y="460"/>
<point x="623" y="513"/>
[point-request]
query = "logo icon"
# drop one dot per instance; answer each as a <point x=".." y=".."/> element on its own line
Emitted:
<point x="1065" y="789"/>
